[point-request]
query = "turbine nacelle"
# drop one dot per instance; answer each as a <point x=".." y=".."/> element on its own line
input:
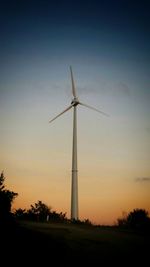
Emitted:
<point x="75" y="101"/>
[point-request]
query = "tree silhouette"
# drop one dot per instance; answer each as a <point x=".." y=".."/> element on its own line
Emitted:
<point x="20" y="213"/>
<point x="6" y="199"/>
<point x="137" y="219"/>
<point x="39" y="211"/>
<point x="57" y="217"/>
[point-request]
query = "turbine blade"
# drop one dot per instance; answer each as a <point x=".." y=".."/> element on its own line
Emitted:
<point x="73" y="84"/>
<point x="61" y="113"/>
<point x="87" y="106"/>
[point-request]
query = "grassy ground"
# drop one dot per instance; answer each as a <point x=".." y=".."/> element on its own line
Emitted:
<point x="69" y="245"/>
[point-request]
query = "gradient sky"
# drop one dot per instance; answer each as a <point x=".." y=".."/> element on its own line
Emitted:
<point x="108" y="45"/>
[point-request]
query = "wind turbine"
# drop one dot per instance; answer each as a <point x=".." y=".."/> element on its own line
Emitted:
<point x="74" y="186"/>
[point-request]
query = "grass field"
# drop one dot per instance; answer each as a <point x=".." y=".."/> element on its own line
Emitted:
<point x="69" y="245"/>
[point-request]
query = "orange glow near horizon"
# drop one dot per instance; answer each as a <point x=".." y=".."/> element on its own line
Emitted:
<point x="102" y="198"/>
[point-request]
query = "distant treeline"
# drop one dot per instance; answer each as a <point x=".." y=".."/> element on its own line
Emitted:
<point x="40" y="212"/>
<point x="138" y="219"/>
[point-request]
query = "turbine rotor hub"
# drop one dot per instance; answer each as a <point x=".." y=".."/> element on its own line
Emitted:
<point x="75" y="102"/>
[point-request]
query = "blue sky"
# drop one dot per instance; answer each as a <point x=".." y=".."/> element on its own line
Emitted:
<point x="108" y="45"/>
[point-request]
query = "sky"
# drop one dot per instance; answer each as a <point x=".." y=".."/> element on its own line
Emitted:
<point x="107" y="43"/>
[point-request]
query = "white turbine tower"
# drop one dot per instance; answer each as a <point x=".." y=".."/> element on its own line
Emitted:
<point x="74" y="186"/>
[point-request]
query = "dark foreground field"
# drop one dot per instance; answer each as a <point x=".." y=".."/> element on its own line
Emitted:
<point x="27" y="243"/>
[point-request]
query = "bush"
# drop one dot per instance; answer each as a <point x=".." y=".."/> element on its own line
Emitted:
<point x="137" y="219"/>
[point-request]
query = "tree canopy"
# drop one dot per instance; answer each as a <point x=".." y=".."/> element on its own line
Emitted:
<point x="137" y="219"/>
<point x="39" y="211"/>
<point x="6" y="199"/>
